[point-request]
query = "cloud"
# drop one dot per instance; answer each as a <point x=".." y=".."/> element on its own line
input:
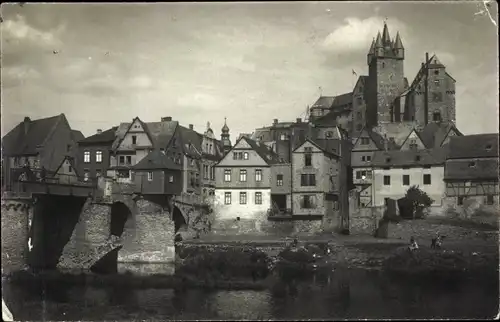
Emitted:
<point x="18" y="30"/>
<point x="356" y="35"/>
<point x="18" y="75"/>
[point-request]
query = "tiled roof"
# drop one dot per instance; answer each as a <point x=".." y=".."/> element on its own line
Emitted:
<point x="474" y="146"/>
<point x="328" y="146"/>
<point x="324" y="102"/>
<point x="461" y="169"/>
<point x="329" y="119"/>
<point x="160" y="132"/>
<point x="17" y="142"/>
<point x="157" y="160"/>
<point x="400" y="158"/>
<point x="342" y="99"/>
<point x="331" y="102"/>
<point x="433" y="134"/>
<point x="104" y="137"/>
<point x="263" y="151"/>
<point x="77" y="135"/>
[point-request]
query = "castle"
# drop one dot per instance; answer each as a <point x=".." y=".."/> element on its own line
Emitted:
<point x="385" y="101"/>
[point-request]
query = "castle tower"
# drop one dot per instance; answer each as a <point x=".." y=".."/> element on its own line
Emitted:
<point x="226" y="142"/>
<point x="386" y="77"/>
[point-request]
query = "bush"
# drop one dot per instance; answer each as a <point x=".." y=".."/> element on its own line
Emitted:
<point x="416" y="201"/>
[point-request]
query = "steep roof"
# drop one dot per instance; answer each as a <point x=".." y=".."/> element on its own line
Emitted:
<point x="462" y="170"/>
<point x="401" y="158"/>
<point x="331" y="102"/>
<point x="374" y="136"/>
<point x="159" y="132"/>
<point x="433" y="134"/>
<point x="72" y="163"/>
<point x="263" y="151"/>
<point x="474" y="146"/>
<point x="327" y="146"/>
<point x="77" y="135"/>
<point x="157" y="160"/>
<point x="21" y="142"/>
<point x="107" y="136"/>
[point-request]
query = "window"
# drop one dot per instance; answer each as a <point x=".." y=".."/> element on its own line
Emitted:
<point x="427" y="179"/>
<point x="150" y="176"/>
<point x="383" y="65"/>
<point x="227" y="175"/>
<point x="210" y="148"/>
<point x="227" y="198"/>
<point x="368" y="158"/>
<point x="387" y="180"/>
<point x="70" y="169"/>
<point x="98" y="156"/>
<point x="212" y="173"/>
<point x="363" y="158"/>
<point x="279" y="180"/>
<point x="258" y="175"/>
<point x="436" y="72"/>
<point x="417" y="158"/>
<point x="258" y="198"/>
<point x="129" y="160"/>
<point x="205" y="171"/>
<point x="488" y="147"/>
<point x="358" y="175"/>
<point x="86" y="175"/>
<point x="86" y="157"/>
<point x="245" y="155"/>
<point x="68" y="148"/>
<point x="490" y="200"/>
<point x="307" y="202"/>
<point x="240" y="155"/>
<point x="436" y="116"/>
<point x="427" y="166"/>
<point x="123" y="174"/>
<point x="437" y="97"/>
<point x="365" y="141"/>
<point x="308" y="180"/>
<point x="283" y="137"/>
<point x="406" y="180"/>
<point x="460" y="201"/>
<point x="171" y="179"/>
<point x="98" y="173"/>
<point x="134" y="139"/>
<point x="472" y="164"/>
<point x="243" y="175"/>
<point x="436" y="82"/>
<point x="360" y="101"/>
<point x="243" y="198"/>
<point x="307" y="159"/>
<point x="235" y="156"/>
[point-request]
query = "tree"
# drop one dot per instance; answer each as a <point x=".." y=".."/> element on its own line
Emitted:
<point x="418" y="200"/>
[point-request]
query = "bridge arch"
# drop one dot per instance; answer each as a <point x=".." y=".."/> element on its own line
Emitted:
<point x="120" y="213"/>
<point x="179" y="218"/>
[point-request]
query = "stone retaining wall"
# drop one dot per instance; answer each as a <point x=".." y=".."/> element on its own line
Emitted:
<point x="14" y="216"/>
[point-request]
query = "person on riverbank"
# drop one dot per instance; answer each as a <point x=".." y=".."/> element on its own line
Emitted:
<point x="413" y="244"/>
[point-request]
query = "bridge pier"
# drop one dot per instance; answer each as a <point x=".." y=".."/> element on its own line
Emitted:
<point x="15" y="218"/>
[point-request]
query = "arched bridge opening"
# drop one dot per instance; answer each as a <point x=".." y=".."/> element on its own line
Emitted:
<point x="120" y="213"/>
<point x="178" y="218"/>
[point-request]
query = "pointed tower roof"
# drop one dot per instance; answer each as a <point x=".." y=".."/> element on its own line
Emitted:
<point x="378" y="42"/>
<point x="372" y="47"/>
<point x="225" y="128"/>
<point x="386" y="39"/>
<point x="397" y="43"/>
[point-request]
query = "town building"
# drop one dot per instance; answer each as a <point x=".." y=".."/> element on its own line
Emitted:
<point x="394" y="171"/>
<point x="471" y="170"/>
<point x="94" y="153"/>
<point x="243" y="181"/>
<point x="67" y="172"/>
<point x="158" y="174"/>
<point x="38" y="143"/>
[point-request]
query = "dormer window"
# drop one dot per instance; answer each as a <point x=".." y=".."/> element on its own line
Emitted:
<point x="488" y="147"/>
<point x="472" y="164"/>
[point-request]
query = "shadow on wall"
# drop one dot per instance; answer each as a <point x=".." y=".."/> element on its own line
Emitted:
<point x="120" y="213"/>
<point x="178" y="219"/>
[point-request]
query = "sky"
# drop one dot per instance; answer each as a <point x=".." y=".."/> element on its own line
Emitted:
<point x="102" y="64"/>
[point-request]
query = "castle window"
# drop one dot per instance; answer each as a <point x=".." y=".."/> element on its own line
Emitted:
<point x="437" y="97"/>
<point x="436" y="116"/>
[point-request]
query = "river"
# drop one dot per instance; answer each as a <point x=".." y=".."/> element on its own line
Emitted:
<point x="349" y="294"/>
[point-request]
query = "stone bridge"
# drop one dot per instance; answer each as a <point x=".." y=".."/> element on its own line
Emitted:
<point x="108" y="223"/>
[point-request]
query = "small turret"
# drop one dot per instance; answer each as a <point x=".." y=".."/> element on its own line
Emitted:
<point x="399" y="50"/>
<point x="379" y="48"/>
<point x="386" y="39"/>
<point x="371" y="52"/>
<point x="226" y="142"/>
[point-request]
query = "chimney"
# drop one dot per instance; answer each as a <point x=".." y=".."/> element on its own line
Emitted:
<point x="190" y="126"/>
<point x="426" y="58"/>
<point x="166" y="119"/>
<point x="99" y="131"/>
<point x="299" y="120"/>
<point x="26" y="124"/>
<point x="275" y="121"/>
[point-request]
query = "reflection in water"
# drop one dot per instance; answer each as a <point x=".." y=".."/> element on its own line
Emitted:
<point x="146" y="269"/>
<point x="340" y="294"/>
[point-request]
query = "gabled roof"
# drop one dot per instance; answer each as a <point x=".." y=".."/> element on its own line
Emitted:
<point x="327" y="146"/>
<point x="159" y="133"/>
<point x="374" y="136"/>
<point x="483" y="169"/>
<point x="268" y="155"/>
<point x="71" y="161"/>
<point x="332" y="102"/>
<point x="107" y="136"/>
<point x="157" y="160"/>
<point x="474" y="146"/>
<point x="418" y="135"/>
<point x="433" y="134"/>
<point x="21" y="142"/>
<point x="401" y="158"/>
<point x="77" y="135"/>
